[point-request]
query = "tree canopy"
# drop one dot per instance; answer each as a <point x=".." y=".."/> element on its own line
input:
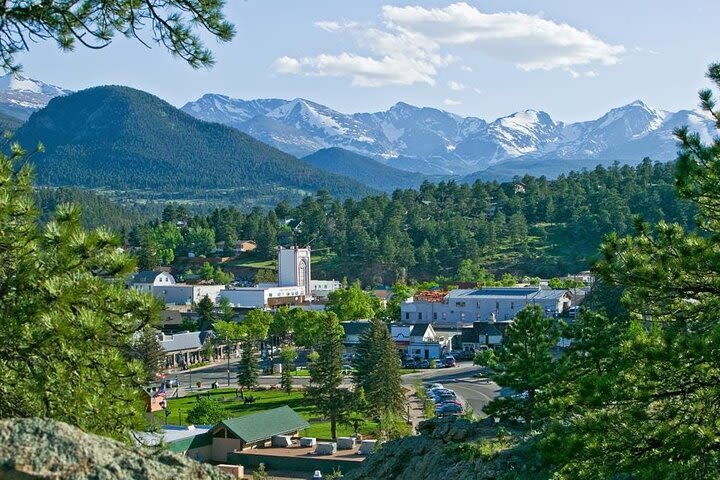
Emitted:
<point x="174" y="24"/>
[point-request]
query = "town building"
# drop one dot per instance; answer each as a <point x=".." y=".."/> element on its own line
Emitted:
<point x="418" y="340"/>
<point x="237" y="434"/>
<point x="187" y="348"/>
<point x="482" y="334"/>
<point x="295" y="286"/>
<point x="463" y="307"/>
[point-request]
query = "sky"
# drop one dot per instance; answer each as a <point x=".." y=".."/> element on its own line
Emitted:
<point x="573" y="59"/>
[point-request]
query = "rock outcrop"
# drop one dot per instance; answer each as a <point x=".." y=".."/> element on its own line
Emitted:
<point x="37" y="448"/>
<point x="447" y="448"/>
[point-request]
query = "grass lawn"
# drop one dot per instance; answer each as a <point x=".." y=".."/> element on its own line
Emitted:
<point x="265" y="400"/>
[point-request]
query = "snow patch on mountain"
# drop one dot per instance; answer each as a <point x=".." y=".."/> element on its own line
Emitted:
<point x="435" y="141"/>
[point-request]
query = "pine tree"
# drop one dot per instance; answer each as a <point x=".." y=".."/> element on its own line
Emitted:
<point x="524" y="363"/>
<point x="205" y="310"/>
<point x="146" y="348"/>
<point x="326" y="376"/>
<point x="288" y="355"/>
<point x="377" y="370"/>
<point x="248" y="367"/>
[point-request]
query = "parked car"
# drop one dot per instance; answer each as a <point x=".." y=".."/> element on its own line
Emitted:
<point x="450" y="409"/>
<point x="170" y="383"/>
<point x="450" y="361"/>
<point x="465" y="355"/>
<point x="410" y="363"/>
<point x="436" y="385"/>
<point x="424" y="364"/>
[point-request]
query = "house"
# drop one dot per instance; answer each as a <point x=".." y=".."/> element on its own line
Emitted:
<point x="187" y="348"/>
<point x="144" y="281"/>
<point x="462" y="307"/>
<point x="481" y="334"/>
<point x="240" y="433"/>
<point x="153" y="401"/>
<point x="353" y="330"/>
<point x="263" y="296"/>
<point x="242" y="246"/>
<point x="424" y="343"/>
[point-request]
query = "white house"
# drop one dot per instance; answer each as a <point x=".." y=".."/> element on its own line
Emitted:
<point x="263" y="297"/>
<point x="144" y="281"/>
<point x="482" y="334"/>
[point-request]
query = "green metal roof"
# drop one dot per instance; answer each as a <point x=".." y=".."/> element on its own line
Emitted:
<point x="264" y="425"/>
<point x="184" y="444"/>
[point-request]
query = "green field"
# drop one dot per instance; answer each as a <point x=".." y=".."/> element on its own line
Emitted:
<point x="265" y="400"/>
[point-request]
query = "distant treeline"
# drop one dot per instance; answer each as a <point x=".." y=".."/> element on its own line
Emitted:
<point x="531" y="226"/>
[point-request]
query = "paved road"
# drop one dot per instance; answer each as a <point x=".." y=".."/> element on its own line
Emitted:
<point x="475" y="391"/>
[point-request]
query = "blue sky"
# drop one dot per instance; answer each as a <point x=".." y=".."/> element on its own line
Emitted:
<point x="572" y="59"/>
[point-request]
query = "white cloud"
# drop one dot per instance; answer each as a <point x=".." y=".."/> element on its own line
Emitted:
<point x="478" y="91"/>
<point x="528" y="41"/>
<point x="456" y="86"/>
<point x="287" y="65"/>
<point x="451" y="103"/>
<point x="415" y="42"/>
<point x="333" y="26"/>
<point x="465" y="68"/>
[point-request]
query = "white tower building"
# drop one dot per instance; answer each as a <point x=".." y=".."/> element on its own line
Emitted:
<point x="294" y="268"/>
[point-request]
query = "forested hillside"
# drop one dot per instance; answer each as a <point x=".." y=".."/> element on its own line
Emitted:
<point x="532" y="226"/>
<point x="97" y="211"/>
<point x="118" y="138"/>
<point x="363" y="169"/>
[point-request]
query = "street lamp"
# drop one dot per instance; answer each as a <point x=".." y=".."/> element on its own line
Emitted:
<point x="227" y="354"/>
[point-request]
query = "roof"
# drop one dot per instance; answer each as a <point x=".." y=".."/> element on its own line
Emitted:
<point x="145" y="276"/>
<point x="419" y="329"/>
<point x="184" y="341"/>
<point x="355" y="327"/>
<point x="430" y="296"/>
<point x="263" y="425"/>
<point x="529" y="293"/>
<point x="549" y="294"/>
<point x="471" y="334"/>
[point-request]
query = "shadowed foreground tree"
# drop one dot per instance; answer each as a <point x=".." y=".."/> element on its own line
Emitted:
<point x="93" y="24"/>
<point x="66" y="319"/>
<point x="644" y="403"/>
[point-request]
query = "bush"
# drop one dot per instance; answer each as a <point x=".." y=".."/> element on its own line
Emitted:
<point x="206" y="412"/>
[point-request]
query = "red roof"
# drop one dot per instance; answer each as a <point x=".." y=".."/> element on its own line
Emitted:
<point x="432" y="296"/>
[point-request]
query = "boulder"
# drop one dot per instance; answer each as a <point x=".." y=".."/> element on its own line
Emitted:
<point x="37" y="448"/>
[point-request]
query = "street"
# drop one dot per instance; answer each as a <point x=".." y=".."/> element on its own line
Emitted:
<point x="477" y="392"/>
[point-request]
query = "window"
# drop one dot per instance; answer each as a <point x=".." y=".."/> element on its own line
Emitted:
<point x="419" y="315"/>
<point x="459" y="304"/>
<point x="512" y="305"/>
<point x="497" y="305"/>
<point x="407" y="315"/>
<point x="434" y="315"/>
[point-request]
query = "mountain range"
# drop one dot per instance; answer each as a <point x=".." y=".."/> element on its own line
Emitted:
<point x="20" y="96"/>
<point x="135" y="144"/>
<point x="433" y="141"/>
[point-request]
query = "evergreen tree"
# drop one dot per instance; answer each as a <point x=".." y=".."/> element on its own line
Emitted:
<point x="377" y="370"/>
<point x="248" y="367"/>
<point x="205" y="310"/>
<point x="227" y="312"/>
<point x="326" y="376"/>
<point x="146" y="349"/>
<point x="288" y="355"/>
<point x="524" y="363"/>
<point x="642" y="400"/>
<point x="66" y="318"/>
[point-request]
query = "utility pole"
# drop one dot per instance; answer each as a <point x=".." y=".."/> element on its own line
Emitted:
<point x="227" y="350"/>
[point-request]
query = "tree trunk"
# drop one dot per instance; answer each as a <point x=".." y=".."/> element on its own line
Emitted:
<point x="333" y="427"/>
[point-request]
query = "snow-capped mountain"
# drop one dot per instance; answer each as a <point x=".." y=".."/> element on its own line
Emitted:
<point x="433" y="141"/>
<point x="20" y="96"/>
